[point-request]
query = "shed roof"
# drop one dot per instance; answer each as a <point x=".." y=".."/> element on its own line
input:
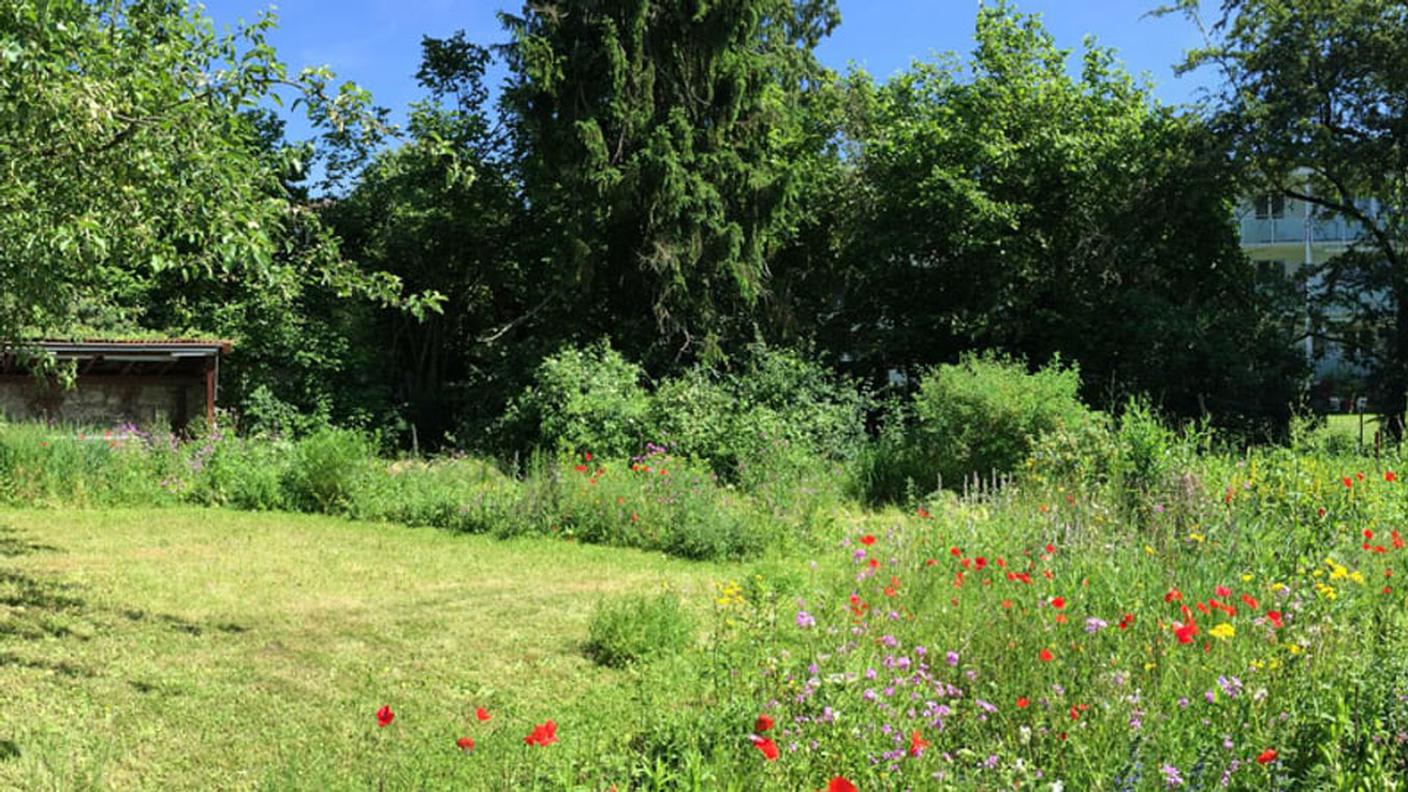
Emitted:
<point x="146" y="347"/>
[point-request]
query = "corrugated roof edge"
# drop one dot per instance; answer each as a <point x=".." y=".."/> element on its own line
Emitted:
<point x="223" y="346"/>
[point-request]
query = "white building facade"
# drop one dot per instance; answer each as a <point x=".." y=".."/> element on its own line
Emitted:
<point x="1286" y="238"/>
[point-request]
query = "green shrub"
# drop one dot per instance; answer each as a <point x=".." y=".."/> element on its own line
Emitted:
<point x="587" y="399"/>
<point x="637" y="628"/>
<point x="893" y="468"/>
<point x="775" y="411"/>
<point x="327" y="465"/>
<point x="658" y="502"/>
<point x="456" y="494"/>
<point x="1075" y="460"/>
<point x="244" y="474"/>
<point x="985" y="413"/>
<point x="262" y="414"/>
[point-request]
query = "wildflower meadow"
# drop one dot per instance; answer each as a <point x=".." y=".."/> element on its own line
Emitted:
<point x="1198" y="617"/>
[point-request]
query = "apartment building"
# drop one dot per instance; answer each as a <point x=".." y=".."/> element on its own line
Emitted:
<point x="1284" y="238"/>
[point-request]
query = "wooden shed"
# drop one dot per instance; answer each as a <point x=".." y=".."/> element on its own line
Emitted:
<point x="142" y="382"/>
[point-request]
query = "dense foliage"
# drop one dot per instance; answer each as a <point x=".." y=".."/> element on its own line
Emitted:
<point x="1312" y="107"/>
<point x="133" y="157"/>
<point x="684" y="184"/>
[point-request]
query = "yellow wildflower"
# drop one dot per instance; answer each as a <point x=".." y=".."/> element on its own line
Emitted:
<point x="1223" y="631"/>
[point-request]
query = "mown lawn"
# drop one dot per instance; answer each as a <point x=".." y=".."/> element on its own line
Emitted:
<point x="185" y="649"/>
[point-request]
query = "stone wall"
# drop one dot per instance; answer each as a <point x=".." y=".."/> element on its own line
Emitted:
<point x="144" y="402"/>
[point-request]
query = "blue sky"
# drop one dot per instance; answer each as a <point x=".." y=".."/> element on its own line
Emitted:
<point x="377" y="42"/>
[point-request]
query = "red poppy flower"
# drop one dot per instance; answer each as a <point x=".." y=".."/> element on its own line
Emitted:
<point x="1045" y="655"/>
<point x="482" y="714"/>
<point x="762" y="724"/>
<point x="923" y="513"/>
<point x="587" y="456"/>
<point x="867" y="540"/>
<point x="580" y="468"/>
<point x="1359" y="475"/>
<point x="1126" y="620"/>
<point x="858" y="606"/>
<point x="955" y="552"/>
<point x="841" y="784"/>
<point x="466" y="744"/>
<point x="917" y="743"/>
<point x="1185" y="632"/>
<point x="384" y="716"/>
<point x="980" y="562"/>
<point x="1347" y="481"/>
<point x="1222" y="591"/>
<point x="1368" y="534"/>
<point x="1266" y="757"/>
<point x="1051" y="549"/>
<point x="1058" y="602"/>
<point x="1390" y="476"/>
<point x="1075" y="714"/>
<point x="1022" y="702"/>
<point x="542" y="735"/>
<point x="767" y="747"/>
<point x="1275" y="617"/>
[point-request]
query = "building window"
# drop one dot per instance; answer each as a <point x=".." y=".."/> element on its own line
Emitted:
<point x="1270" y="206"/>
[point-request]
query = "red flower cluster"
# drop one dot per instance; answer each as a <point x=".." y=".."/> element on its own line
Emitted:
<point x="542" y="735"/>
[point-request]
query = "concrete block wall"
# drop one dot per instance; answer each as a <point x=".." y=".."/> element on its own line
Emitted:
<point x="104" y="403"/>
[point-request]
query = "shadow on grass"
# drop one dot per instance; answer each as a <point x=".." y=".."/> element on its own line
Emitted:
<point x="31" y="607"/>
<point x="13" y="543"/>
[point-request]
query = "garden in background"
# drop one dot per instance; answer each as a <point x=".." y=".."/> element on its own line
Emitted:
<point x="720" y="582"/>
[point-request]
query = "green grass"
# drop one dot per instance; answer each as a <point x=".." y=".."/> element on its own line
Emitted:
<point x="184" y="649"/>
<point x="1348" y="424"/>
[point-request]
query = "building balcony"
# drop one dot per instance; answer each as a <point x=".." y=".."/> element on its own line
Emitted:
<point x="1291" y="230"/>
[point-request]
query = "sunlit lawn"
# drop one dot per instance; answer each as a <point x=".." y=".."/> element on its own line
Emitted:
<point x="168" y="649"/>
